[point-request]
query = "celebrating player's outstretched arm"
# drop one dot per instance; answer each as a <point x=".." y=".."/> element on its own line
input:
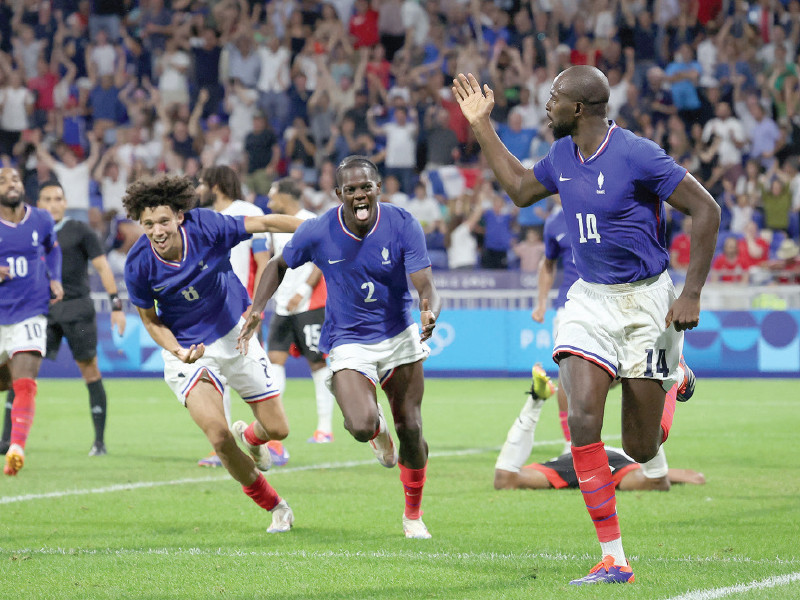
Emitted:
<point x="518" y="182"/>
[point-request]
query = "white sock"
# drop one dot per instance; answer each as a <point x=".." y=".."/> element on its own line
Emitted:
<point x="278" y="373"/>
<point x="614" y="548"/>
<point x="656" y="467"/>
<point x="226" y="404"/>
<point x="519" y="441"/>
<point x="324" y="399"/>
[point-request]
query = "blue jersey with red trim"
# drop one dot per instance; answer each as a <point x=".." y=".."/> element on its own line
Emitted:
<point x="368" y="296"/>
<point x="23" y="247"/>
<point x="613" y="204"/>
<point x="557" y="245"/>
<point x="199" y="298"/>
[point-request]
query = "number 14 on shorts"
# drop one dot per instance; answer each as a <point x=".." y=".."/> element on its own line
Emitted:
<point x="661" y="362"/>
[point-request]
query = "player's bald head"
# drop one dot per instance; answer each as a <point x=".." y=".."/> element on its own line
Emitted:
<point x="585" y="84"/>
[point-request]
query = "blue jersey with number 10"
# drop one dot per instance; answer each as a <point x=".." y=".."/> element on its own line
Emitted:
<point x="26" y="293"/>
<point x="368" y="296"/>
<point x="613" y="204"/>
<point x="199" y="298"/>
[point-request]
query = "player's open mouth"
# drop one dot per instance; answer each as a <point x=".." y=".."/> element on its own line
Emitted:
<point x="161" y="242"/>
<point x="361" y="211"/>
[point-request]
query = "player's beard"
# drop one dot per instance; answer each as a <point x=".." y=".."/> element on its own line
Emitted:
<point x="562" y="130"/>
<point x="11" y="202"/>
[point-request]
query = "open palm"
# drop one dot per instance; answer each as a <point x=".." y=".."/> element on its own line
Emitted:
<point x="474" y="103"/>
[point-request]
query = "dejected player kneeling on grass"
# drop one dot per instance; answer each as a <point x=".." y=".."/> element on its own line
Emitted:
<point x="366" y="250"/>
<point x="179" y="277"/>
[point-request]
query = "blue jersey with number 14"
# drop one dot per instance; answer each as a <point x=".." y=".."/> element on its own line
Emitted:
<point x="368" y="296"/>
<point x="199" y="298"/>
<point x="613" y="204"/>
<point x="22" y="248"/>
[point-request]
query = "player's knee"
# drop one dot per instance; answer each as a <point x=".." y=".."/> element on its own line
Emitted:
<point x="277" y="431"/>
<point x="640" y="450"/>
<point x="363" y="430"/>
<point x="220" y="438"/>
<point x="408" y="432"/>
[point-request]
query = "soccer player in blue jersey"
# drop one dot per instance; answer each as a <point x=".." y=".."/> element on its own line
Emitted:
<point x="180" y="279"/>
<point x="622" y="318"/>
<point x="30" y="273"/>
<point x="366" y="250"/>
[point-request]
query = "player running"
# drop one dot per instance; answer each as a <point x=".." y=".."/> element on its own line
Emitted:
<point x="365" y="250"/>
<point x="622" y="318"/>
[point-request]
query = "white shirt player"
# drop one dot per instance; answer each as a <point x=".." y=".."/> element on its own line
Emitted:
<point x="241" y="253"/>
<point x="294" y="278"/>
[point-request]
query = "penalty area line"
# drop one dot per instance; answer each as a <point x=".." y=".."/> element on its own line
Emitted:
<point x="122" y="487"/>
<point x="739" y="588"/>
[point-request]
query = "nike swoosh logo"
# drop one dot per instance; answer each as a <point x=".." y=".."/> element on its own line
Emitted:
<point x="562" y="178"/>
<point x="158" y="289"/>
<point x="560" y="237"/>
<point x="333" y="262"/>
<point x="585" y="480"/>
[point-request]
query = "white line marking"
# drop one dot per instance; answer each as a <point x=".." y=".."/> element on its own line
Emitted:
<point x="740" y="588"/>
<point x="121" y="487"/>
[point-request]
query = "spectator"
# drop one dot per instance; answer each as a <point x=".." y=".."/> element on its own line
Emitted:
<point x="393" y="194"/>
<point x="240" y="104"/>
<point x="441" y="144"/>
<point x="530" y="250"/>
<point x="786" y="266"/>
<point x="73" y="175"/>
<point x="776" y="199"/>
<point x="206" y="52"/>
<point x="425" y="208"/>
<point x="262" y="155"/>
<point x="16" y="105"/>
<point x="172" y="68"/>
<point x="462" y="247"/>
<point x="683" y="74"/>
<point x="752" y="246"/>
<point x="517" y="140"/>
<point x="401" y="144"/>
<point x="244" y="63"/>
<point x="273" y="82"/>
<point x="300" y="149"/>
<point x="730" y="266"/>
<point x="680" y="248"/>
<point x="497" y="221"/>
<point x="363" y="25"/>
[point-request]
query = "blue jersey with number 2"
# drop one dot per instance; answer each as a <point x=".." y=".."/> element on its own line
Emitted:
<point x="368" y="296"/>
<point x="199" y="298"/>
<point x="613" y="204"/>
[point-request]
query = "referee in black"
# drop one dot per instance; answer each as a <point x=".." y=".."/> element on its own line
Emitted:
<point x="74" y="317"/>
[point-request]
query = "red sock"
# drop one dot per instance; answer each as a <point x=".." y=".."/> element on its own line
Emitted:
<point x="413" y="481"/>
<point x="594" y="479"/>
<point x="262" y="493"/>
<point x="669" y="412"/>
<point x="22" y="410"/>
<point x="562" y="416"/>
<point x="251" y="437"/>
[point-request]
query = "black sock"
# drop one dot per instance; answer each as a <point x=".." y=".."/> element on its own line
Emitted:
<point x="6" y="438"/>
<point x="97" y="402"/>
<point x="7" y="420"/>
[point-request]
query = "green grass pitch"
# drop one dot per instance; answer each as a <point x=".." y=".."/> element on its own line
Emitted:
<point x="146" y="522"/>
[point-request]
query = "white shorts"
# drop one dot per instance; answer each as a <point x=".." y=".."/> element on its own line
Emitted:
<point x="29" y="335"/>
<point x="378" y="361"/>
<point x="223" y="365"/>
<point x="621" y="329"/>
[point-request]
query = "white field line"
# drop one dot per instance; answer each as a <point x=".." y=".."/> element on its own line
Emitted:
<point x="383" y="554"/>
<point x="739" y="588"/>
<point x="121" y="487"/>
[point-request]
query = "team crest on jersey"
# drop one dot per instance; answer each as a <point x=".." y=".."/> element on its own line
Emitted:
<point x="385" y="256"/>
<point x="600" y="180"/>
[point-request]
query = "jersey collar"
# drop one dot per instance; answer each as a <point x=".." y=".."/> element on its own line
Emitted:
<point x="172" y="263"/>
<point x="24" y="218"/>
<point x="340" y="214"/>
<point x="612" y="127"/>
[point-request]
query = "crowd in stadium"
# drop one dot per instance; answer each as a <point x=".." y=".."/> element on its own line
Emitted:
<point x="99" y="93"/>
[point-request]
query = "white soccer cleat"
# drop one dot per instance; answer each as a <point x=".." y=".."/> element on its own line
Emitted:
<point x="382" y="445"/>
<point x="282" y="518"/>
<point x="415" y="529"/>
<point x="260" y="454"/>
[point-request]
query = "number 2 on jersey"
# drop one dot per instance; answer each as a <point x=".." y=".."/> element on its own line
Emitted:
<point x="370" y="287"/>
<point x="591" y="228"/>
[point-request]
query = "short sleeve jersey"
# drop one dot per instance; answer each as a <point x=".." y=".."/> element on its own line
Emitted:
<point x="368" y="296"/>
<point x="242" y="253"/>
<point x="613" y="204"/>
<point x="79" y="244"/>
<point x="22" y="248"/>
<point x="199" y="298"/>
<point x="557" y="245"/>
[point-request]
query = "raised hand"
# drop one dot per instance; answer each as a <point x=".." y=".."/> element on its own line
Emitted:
<point x="191" y="354"/>
<point x="474" y="103"/>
